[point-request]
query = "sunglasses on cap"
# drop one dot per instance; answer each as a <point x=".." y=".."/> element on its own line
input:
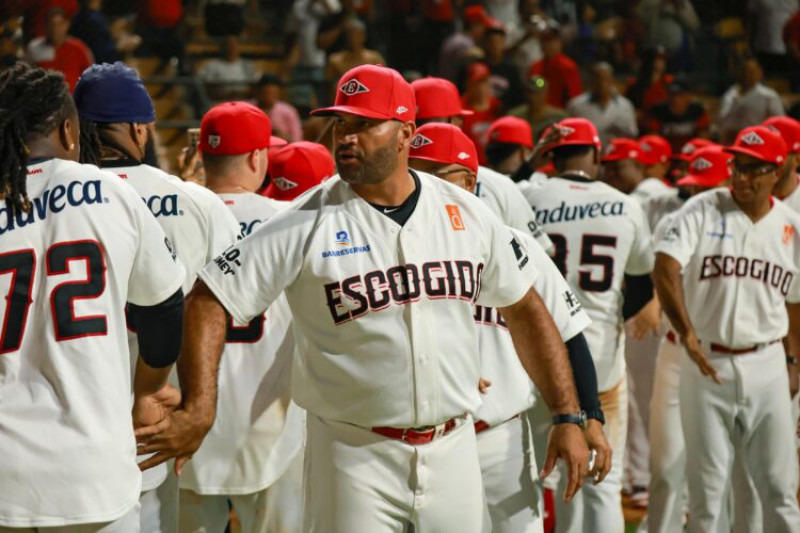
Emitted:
<point x="751" y="169"/>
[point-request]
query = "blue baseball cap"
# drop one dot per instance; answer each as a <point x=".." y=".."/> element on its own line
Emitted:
<point x="113" y="93"/>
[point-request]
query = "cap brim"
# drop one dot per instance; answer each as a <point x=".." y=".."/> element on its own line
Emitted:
<point x="745" y="151"/>
<point x="277" y="141"/>
<point x="699" y="181"/>
<point x="351" y="110"/>
<point x="612" y="158"/>
<point x="467" y="113"/>
<point x="427" y="158"/>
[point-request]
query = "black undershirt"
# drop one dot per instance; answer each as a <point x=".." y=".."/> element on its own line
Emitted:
<point x="401" y="213"/>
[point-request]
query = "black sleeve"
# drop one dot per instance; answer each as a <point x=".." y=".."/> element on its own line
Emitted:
<point x="638" y="291"/>
<point x="584" y="372"/>
<point x="159" y="329"/>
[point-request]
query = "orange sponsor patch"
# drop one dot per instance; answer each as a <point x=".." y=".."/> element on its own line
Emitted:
<point x="453" y="213"/>
<point x="788" y="233"/>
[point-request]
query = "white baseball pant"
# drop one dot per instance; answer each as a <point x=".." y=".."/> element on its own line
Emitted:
<point x="276" y="509"/>
<point x="128" y="523"/>
<point x="508" y="469"/>
<point x="598" y="508"/>
<point x="357" y="481"/>
<point x="751" y="409"/>
<point x="160" y="505"/>
<point x="640" y="360"/>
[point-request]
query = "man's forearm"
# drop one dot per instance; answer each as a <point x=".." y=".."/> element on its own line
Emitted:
<point x="204" y="337"/>
<point x="147" y="379"/>
<point x="668" y="282"/>
<point x="542" y="352"/>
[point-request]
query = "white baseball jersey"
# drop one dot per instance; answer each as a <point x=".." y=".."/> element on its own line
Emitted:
<point x="737" y="274"/>
<point x="649" y="187"/>
<point x="505" y="199"/>
<point x="660" y="205"/>
<point x="199" y="226"/>
<point x="253" y="439"/>
<point x="793" y="200"/>
<point x="383" y="315"/>
<point x="512" y="391"/>
<point x="599" y="234"/>
<point x="67" y="269"/>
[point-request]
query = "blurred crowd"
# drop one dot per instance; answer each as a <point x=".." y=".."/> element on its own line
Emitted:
<point x="677" y="68"/>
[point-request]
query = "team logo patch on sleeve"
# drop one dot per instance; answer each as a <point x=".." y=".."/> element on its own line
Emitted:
<point x="572" y="303"/>
<point x="454" y="214"/>
<point x="519" y="253"/>
<point x="673" y="234"/>
<point x="354" y="87"/>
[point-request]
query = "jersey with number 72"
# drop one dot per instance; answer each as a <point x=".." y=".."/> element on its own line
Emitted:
<point x="599" y="235"/>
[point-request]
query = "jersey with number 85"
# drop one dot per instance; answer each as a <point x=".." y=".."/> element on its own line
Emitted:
<point x="67" y="269"/>
<point x="599" y="235"/>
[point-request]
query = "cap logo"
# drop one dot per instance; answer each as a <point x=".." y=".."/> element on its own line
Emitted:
<point x="400" y="110"/>
<point x="752" y="138"/>
<point x="214" y="141"/>
<point x="633" y="154"/>
<point x="565" y="131"/>
<point x="463" y="155"/>
<point x="688" y="149"/>
<point x="419" y="141"/>
<point x="701" y="164"/>
<point x="773" y="129"/>
<point x="284" y="184"/>
<point x="353" y="87"/>
<point x="646" y="147"/>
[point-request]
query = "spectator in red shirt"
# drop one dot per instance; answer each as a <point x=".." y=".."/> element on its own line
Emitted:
<point x="559" y="70"/>
<point x="791" y="38"/>
<point x="485" y="107"/>
<point x="650" y="86"/>
<point x="59" y="52"/>
<point x="680" y="118"/>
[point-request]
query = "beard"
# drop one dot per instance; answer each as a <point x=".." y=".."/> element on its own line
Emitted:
<point x="380" y="165"/>
<point x="150" y="156"/>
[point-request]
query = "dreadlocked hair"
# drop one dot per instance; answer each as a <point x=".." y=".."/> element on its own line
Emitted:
<point x="33" y="103"/>
<point x="94" y="139"/>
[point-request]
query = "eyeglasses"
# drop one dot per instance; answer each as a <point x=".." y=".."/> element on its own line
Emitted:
<point x="753" y="170"/>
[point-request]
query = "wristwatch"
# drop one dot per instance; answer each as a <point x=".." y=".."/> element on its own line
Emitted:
<point x="579" y="419"/>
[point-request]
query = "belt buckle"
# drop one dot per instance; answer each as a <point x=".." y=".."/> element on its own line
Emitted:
<point x="438" y="431"/>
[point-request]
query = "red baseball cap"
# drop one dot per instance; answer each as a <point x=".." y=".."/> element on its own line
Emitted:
<point x="234" y="128"/>
<point x="373" y="91"/>
<point x="476" y="13"/>
<point x="622" y="148"/>
<point x="574" y="132"/>
<point x="296" y="167"/>
<point x="708" y="167"/>
<point x="437" y="98"/>
<point x="655" y="149"/>
<point x="444" y="143"/>
<point x="788" y="128"/>
<point x="761" y="143"/>
<point x="477" y="72"/>
<point x="688" y="149"/>
<point x="511" y="130"/>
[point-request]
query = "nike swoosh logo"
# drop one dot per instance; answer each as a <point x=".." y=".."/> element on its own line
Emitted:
<point x="391" y="210"/>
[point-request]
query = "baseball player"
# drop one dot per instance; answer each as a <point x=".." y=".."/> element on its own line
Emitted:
<point x="708" y="169"/>
<point x="117" y="115"/>
<point x="725" y="267"/>
<point x="509" y="145"/>
<point x="297" y="167"/>
<point x="680" y="161"/>
<point x="656" y="156"/>
<point x="504" y="444"/>
<point x="601" y="239"/>
<point x="438" y="101"/>
<point x="623" y="168"/>
<point x="77" y="245"/>
<point x="254" y="438"/>
<point x="381" y="267"/>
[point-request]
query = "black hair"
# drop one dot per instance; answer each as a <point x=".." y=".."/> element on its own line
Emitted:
<point x="562" y="154"/>
<point x="94" y="138"/>
<point x="33" y="103"/>
<point x="496" y="152"/>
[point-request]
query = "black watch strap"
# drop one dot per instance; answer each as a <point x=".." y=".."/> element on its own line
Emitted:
<point x="579" y="419"/>
<point x="596" y="414"/>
